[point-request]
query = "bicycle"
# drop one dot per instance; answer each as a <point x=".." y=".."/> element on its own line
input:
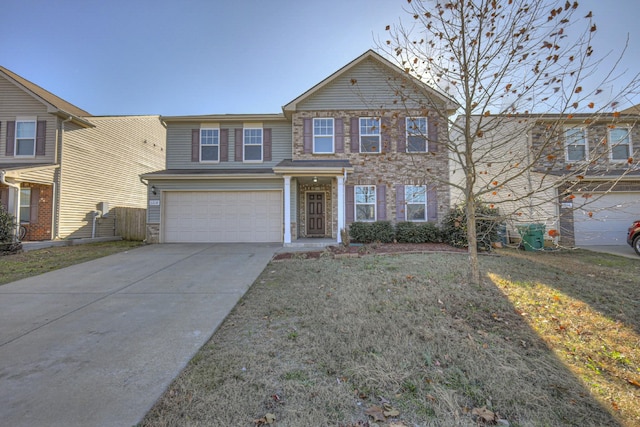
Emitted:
<point x="22" y="232"/>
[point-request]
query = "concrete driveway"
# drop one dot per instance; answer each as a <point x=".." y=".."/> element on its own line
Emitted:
<point x="96" y="344"/>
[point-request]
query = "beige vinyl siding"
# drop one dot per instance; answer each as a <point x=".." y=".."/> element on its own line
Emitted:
<point x="40" y="176"/>
<point x="179" y="146"/>
<point x="15" y="102"/>
<point x="103" y="164"/>
<point x="153" y="212"/>
<point x="367" y="86"/>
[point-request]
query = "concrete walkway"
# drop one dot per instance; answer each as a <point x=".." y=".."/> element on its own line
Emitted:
<point x="96" y="344"/>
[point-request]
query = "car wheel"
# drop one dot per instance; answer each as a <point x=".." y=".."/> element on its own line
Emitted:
<point x="636" y="244"/>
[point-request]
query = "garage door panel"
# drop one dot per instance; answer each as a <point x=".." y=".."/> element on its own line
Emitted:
<point x="605" y="219"/>
<point x="222" y="216"/>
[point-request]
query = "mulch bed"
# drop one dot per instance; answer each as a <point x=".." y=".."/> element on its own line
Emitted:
<point x="369" y="249"/>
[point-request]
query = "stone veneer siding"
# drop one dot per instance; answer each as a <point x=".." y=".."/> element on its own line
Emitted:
<point x="330" y="208"/>
<point x="153" y="233"/>
<point x="390" y="168"/>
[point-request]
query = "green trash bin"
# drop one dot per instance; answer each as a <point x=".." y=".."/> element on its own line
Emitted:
<point x="532" y="236"/>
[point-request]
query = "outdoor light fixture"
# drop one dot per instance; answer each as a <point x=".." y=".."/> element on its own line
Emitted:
<point x="153" y="190"/>
<point x="315" y="179"/>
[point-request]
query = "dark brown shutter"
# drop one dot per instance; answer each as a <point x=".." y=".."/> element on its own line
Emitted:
<point x="224" y="145"/>
<point x="4" y="197"/>
<point x="266" y="144"/>
<point x="238" y="145"/>
<point x="381" y="201"/>
<point x="195" y="145"/>
<point x="11" y="138"/>
<point x="35" y="199"/>
<point x="432" y="124"/>
<point x="41" y="138"/>
<point x="400" y="206"/>
<point x="339" y="130"/>
<point x="307" y="136"/>
<point x="354" y="133"/>
<point x="432" y="203"/>
<point x="402" y="135"/>
<point x="350" y="203"/>
<point x="385" y="135"/>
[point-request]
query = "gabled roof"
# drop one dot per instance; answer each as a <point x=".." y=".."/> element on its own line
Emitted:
<point x="370" y="54"/>
<point x="55" y="103"/>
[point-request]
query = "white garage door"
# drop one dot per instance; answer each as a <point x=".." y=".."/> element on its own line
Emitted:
<point x="611" y="217"/>
<point x="222" y="216"/>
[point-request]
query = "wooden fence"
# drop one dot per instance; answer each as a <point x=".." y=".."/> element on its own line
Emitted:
<point x="131" y="223"/>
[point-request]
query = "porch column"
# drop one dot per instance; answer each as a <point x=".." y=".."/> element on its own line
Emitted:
<point x="341" y="224"/>
<point x="287" y="209"/>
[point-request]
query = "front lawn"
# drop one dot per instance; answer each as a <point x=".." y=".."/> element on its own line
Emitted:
<point x="32" y="263"/>
<point x="549" y="339"/>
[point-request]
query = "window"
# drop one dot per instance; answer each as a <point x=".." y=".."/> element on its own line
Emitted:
<point x="25" y="138"/>
<point x="323" y="136"/>
<point x="209" y="145"/>
<point x="416" y="135"/>
<point x="575" y="144"/>
<point x="369" y="135"/>
<point x="252" y="145"/>
<point x="415" y="197"/>
<point x="365" y="202"/>
<point x="25" y="205"/>
<point x="620" y="143"/>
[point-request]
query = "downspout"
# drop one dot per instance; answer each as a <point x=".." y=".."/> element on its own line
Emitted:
<point x="55" y="220"/>
<point x="16" y="204"/>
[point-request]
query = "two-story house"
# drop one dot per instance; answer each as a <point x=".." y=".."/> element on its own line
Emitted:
<point x="354" y="147"/>
<point x="62" y="170"/>
<point x="579" y="175"/>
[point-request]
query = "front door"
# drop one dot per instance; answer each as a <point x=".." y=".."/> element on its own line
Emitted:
<point x="315" y="214"/>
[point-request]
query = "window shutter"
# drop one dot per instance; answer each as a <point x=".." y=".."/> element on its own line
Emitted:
<point x="266" y="144"/>
<point x="339" y="124"/>
<point x="238" y="145"/>
<point x="4" y="197"/>
<point x="307" y="136"/>
<point x="400" y="206"/>
<point x="41" y="137"/>
<point x="432" y="203"/>
<point x="354" y="133"/>
<point x="432" y="124"/>
<point x="402" y="135"/>
<point x="195" y="145"/>
<point x="350" y="203"/>
<point x="381" y="201"/>
<point x="224" y="145"/>
<point x="11" y="138"/>
<point x="385" y="134"/>
<point x="35" y="198"/>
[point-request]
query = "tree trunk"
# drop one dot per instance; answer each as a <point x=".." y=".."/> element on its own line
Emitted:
<point x="472" y="239"/>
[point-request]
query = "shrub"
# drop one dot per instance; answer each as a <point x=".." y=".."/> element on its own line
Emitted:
<point x="429" y="233"/>
<point x="454" y="226"/>
<point x="7" y="226"/>
<point x="360" y="232"/>
<point x="411" y="232"/>
<point x="369" y="232"/>
<point x="383" y="232"/>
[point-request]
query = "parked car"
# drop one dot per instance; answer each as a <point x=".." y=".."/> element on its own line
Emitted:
<point x="633" y="238"/>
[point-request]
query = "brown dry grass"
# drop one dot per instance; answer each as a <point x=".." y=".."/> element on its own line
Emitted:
<point x="318" y="342"/>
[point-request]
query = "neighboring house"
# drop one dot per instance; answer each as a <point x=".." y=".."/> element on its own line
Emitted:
<point x="584" y="179"/>
<point x="346" y="150"/>
<point x="63" y="170"/>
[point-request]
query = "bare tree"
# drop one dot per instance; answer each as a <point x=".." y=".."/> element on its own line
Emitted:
<point x="516" y="68"/>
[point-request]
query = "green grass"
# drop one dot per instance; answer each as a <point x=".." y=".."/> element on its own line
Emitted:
<point x="548" y="339"/>
<point x="33" y="263"/>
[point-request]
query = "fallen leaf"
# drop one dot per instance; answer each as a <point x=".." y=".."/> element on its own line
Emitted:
<point x="390" y="411"/>
<point x="375" y="412"/>
<point x="485" y="415"/>
<point x="634" y="382"/>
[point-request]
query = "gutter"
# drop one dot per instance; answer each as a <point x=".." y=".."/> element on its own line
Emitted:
<point x="16" y="204"/>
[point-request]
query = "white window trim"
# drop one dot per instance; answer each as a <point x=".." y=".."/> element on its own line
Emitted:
<point x="585" y="136"/>
<point x="406" y="203"/>
<point x="202" y="145"/>
<point x="426" y="137"/>
<point x="35" y="137"/>
<point x="610" y="144"/>
<point x="333" y="135"/>
<point x="25" y="202"/>
<point x="244" y="144"/>
<point x="356" y="204"/>
<point x="379" y="135"/>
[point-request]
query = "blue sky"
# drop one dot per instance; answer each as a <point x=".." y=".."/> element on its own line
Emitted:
<point x="215" y="56"/>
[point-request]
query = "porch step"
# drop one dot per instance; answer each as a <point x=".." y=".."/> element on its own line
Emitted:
<point x="310" y="243"/>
